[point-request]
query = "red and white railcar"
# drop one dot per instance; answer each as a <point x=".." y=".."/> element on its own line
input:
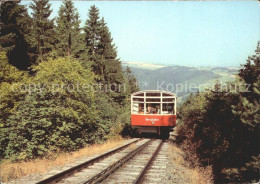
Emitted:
<point x="153" y="111"/>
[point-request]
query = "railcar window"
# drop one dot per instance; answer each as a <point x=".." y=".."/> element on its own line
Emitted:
<point x="168" y="108"/>
<point x="138" y="108"/>
<point x="138" y="99"/>
<point x="153" y="94"/>
<point x="141" y="108"/>
<point x="152" y="108"/>
<point x="166" y="94"/>
<point x="168" y="99"/>
<point x="135" y="107"/>
<point x="140" y="94"/>
<point x="153" y="100"/>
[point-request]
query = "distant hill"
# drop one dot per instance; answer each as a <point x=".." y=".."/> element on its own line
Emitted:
<point x="181" y="80"/>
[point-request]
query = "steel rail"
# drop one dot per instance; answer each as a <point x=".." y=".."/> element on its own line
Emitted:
<point x="140" y="177"/>
<point x="55" y="178"/>
<point x="109" y="170"/>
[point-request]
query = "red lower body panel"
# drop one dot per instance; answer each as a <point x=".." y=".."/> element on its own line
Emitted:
<point x="153" y="120"/>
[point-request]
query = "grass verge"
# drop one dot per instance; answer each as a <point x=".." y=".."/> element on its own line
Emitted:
<point x="185" y="171"/>
<point x="10" y="171"/>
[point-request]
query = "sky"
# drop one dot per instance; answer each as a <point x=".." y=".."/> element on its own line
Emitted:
<point x="190" y="33"/>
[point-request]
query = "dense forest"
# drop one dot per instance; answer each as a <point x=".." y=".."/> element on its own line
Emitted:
<point x="220" y="127"/>
<point x="62" y="85"/>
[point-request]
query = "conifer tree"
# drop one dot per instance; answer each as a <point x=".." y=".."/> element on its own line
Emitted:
<point x="14" y="33"/>
<point x="249" y="106"/>
<point x="69" y="37"/>
<point x="106" y="48"/>
<point x="105" y="54"/>
<point x="43" y="33"/>
<point x="131" y="80"/>
<point x="251" y="70"/>
<point x="110" y="66"/>
<point x="99" y="45"/>
<point x="102" y="52"/>
<point x="92" y="30"/>
<point x="248" y="109"/>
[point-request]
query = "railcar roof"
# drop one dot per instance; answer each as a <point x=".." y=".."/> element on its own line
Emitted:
<point x="153" y="91"/>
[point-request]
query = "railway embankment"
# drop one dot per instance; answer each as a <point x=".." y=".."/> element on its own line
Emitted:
<point x="167" y="165"/>
<point x="26" y="172"/>
<point x="181" y="170"/>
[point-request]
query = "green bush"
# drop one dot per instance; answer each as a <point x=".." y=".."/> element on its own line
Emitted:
<point x="49" y="119"/>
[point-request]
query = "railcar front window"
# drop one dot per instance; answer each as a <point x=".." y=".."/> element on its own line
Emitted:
<point x="153" y="100"/>
<point x="152" y="108"/>
<point x="166" y="94"/>
<point x="168" y="100"/>
<point x="140" y="94"/>
<point x="138" y="108"/>
<point x="153" y="94"/>
<point x="168" y="108"/>
<point x="141" y="108"/>
<point x="138" y="99"/>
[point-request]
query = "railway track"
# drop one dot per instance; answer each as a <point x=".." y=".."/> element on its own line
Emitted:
<point x="140" y="161"/>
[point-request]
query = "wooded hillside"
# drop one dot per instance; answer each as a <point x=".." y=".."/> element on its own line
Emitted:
<point x="220" y="127"/>
<point x="62" y="86"/>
